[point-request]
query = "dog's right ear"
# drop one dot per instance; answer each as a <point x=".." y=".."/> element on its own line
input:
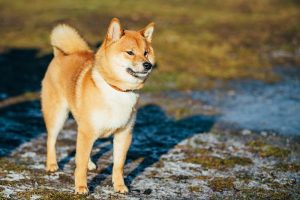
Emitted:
<point x="115" y="31"/>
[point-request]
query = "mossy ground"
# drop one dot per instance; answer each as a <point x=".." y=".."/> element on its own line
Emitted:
<point x="221" y="184"/>
<point x="288" y="167"/>
<point x="261" y="194"/>
<point x="265" y="150"/>
<point x="241" y="177"/>
<point x="217" y="162"/>
<point x="47" y="194"/>
<point x="179" y="160"/>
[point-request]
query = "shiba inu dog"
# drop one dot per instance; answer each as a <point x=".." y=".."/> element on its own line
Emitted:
<point x="99" y="89"/>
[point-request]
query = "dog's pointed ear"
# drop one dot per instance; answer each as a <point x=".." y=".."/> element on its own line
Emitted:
<point x="148" y="31"/>
<point x="115" y="31"/>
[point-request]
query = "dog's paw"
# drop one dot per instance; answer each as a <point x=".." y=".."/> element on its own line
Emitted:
<point x="52" y="168"/>
<point x="81" y="190"/>
<point x="91" y="165"/>
<point x="121" y="189"/>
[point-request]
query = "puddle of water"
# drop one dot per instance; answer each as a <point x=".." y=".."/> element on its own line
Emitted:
<point x="258" y="106"/>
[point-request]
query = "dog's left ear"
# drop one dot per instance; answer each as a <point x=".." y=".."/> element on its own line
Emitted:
<point x="148" y="31"/>
<point x="115" y="31"/>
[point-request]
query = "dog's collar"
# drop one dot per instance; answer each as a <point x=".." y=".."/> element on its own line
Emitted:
<point x="117" y="88"/>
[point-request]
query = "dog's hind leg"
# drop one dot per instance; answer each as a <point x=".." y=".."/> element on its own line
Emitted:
<point x="55" y="112"/>
<point x="91" y="165"/>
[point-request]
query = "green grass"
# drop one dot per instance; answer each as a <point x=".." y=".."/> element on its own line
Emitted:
<point x="220" y="184"/>
<point x="196" y="42"/>
<point x="266" y="150"/>
<point x="51" y="195"/>
<point x="214" y="162"/>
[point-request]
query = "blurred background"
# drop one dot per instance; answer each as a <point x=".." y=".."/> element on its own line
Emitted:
<point x="198" y="43"/>
<point x="219" y="118"/>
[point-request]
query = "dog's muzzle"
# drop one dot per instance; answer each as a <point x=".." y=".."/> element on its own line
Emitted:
<point x="139" y="75"/>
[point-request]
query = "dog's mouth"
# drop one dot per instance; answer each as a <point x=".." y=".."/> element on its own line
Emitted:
<point x="139" y="75"/>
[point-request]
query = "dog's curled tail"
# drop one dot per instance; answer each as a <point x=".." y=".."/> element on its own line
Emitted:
<point x="66" y="40"/>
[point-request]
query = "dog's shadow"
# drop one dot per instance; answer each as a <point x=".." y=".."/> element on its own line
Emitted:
<point x="21" y="70"/>
<point x="155" y="133"/>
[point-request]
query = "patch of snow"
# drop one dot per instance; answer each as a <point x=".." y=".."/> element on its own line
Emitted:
<point x="35" y="197"/>
<point x="53" y="176"/>
<point x="28" y="154"/>
<point x="246" y="132"/>
<point x="37" y="166"/>
<point x="13" y="176"/>
<point x="7" y="192"/>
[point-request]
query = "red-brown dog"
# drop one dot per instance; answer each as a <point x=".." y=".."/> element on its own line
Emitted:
<point x="100" y="91"/>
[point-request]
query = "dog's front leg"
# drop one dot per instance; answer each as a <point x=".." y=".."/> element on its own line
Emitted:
<point x="122" y="141"/>
<point x="85" y="141"/>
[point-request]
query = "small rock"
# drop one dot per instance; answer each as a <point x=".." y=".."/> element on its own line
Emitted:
<point x="147" y="191"/>
<point x="34" y="197"/>
<point x="246" y="132"/>
<point x="231" y="92"/>
<point x="292" y="181"/>
<point x="264" y="133"/>
<point x="253" y="184"/>
<point x="281" y="54"/>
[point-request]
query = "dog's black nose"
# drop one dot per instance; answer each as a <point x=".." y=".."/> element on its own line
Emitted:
<point x="147" y="65"/>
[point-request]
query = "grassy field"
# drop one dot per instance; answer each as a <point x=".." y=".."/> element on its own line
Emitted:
<point x="197" y="41"/>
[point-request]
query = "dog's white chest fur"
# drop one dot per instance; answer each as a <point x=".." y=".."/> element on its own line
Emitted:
<point x="118" y="106"/>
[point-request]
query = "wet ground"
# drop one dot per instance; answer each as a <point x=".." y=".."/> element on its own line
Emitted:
<point x="259" y="106"/>
<point x="238" y="142"/>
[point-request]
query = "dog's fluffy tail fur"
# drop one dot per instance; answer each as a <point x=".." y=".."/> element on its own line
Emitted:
<point x="66" y="40"/>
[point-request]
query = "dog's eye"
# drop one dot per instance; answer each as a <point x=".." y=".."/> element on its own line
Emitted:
<point x="145" y="53"/>
<point x="130" y="53"/>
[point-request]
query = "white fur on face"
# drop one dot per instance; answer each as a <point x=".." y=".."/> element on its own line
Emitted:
<point x="119" y="65"/>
